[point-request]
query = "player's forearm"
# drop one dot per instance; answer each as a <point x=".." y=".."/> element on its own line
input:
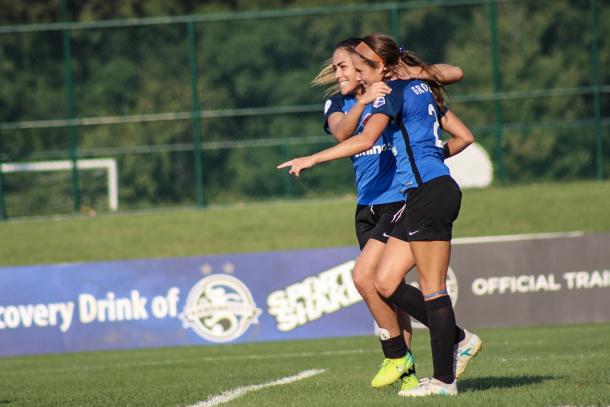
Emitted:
<point x="348" y="148"/>
<point x="461" y="136"/>
<point x="444" y="73"/>
<point x="448" y="74"/>
<point x="349" y="123"/>
<point x="454" y="146"/>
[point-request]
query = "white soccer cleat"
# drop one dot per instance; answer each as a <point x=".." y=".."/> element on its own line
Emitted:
<point x="464" y="351"/>
<point x="431" y="387"/>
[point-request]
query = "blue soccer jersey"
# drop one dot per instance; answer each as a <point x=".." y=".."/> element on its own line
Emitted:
<point x="375" y="169"/>
<point x="411" y="106"/>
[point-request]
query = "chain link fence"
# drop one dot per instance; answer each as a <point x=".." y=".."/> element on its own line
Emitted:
<point x="198" y="110"/>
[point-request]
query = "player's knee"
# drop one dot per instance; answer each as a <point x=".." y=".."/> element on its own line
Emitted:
<point x="363" y="279"/>
<point x="363" y="282"/>
<point x="383" y="288"/>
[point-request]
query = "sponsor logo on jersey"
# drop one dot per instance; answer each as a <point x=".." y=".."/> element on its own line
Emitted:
<point x="219" y="308"/>
<point x="376" y="149"/>
<point x="380" y="101"/>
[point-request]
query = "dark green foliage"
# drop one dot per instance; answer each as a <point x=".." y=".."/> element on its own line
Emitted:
<point x="268" y="63"/>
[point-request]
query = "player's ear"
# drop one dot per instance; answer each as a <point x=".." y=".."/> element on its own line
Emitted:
<point x="385" y="71"/>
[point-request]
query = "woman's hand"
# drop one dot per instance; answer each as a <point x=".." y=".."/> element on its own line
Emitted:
<point x="298" y="164"/>
<point x="406" y="72"/>
<point x="445" y="74"/>
<point x="376" y="90"/>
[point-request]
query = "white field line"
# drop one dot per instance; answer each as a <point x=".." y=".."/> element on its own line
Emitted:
<point x="168" y="362"/>
<point x="240" y="391"/>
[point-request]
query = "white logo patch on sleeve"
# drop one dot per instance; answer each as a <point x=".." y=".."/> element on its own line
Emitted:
<point x="380" y="101"/>
<point x="327" y="105"/>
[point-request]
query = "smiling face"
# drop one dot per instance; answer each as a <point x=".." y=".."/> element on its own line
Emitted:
<point x="365" y="73"/>
<point x="345" y="75"/>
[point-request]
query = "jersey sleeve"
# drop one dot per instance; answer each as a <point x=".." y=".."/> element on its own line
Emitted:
<point x="390" y="105"/>
<point x="333" y="105"/>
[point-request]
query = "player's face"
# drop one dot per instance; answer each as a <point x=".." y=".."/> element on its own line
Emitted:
<point x="366" y="74"/>
<point x="345" y="75"/>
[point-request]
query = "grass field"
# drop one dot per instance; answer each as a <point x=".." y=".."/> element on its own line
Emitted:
<point x="544" y="366"/>
<point x="290" y="225"/>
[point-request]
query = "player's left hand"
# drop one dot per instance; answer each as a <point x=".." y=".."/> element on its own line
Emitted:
<point x="298" y="164"/>
<point x="406" y="72"/>
<point x="376" y="90"/>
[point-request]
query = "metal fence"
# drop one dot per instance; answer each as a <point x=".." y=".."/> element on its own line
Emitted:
<point x="197" y="110"/>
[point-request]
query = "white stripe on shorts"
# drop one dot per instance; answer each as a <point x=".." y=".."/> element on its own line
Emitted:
<point x="399" y="213"/>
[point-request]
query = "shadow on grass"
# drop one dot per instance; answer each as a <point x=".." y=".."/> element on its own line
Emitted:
<point x="5" y="402"/>
<point x="502" y="382"/>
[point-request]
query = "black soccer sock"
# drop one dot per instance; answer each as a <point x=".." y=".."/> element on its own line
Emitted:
<point x="442" y="334"/>
<point x="459" y="335"/>
<point x="395" y="347"/>
<point x="411" y="300"/>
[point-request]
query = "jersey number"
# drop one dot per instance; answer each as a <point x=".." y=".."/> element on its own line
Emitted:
<point x="432" y="112"/>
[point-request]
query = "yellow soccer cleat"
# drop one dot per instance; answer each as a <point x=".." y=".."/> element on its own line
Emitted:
<point x="391" y="370"/>
<point x="409" y="381"/>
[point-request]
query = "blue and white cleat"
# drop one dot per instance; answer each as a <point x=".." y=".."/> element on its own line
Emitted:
<point x="431" y="387"/>
<point x="464" y="351"/>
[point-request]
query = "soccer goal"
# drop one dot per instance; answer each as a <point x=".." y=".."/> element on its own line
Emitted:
<point x="109" y="164"/>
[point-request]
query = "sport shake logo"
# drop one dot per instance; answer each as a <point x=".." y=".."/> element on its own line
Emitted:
<point x="308" y="300"/>
<point x="220" y="308"/>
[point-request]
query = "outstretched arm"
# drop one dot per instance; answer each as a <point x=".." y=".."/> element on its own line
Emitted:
<point x="343" y="126"/>
<point x="447" y="74"/>
<point x="354" y="145"/>
<point x="461" y="136"/>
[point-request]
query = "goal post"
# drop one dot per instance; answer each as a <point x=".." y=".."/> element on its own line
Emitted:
<point x="109" y="164"/>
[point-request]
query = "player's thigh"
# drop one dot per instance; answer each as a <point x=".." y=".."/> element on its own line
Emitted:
<point x="367" y="263"/>
<point x="432" y="259"/>
<point x="395" y="262"/>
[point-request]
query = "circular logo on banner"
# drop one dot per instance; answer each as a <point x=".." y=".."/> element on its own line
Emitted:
<point x="220" y="308"/>
<point x="452" y="289"/>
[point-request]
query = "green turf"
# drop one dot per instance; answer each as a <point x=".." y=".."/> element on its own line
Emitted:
<point x="290" y="225"/>
<point x="565" y="365"/>
<point x="550" y="366"/>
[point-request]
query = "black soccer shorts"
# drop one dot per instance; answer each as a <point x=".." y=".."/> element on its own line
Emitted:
<point x="377" y="221"/>
<point x="430" y="212"/>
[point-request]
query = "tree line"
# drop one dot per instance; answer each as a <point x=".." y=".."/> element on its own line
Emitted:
<point x="542" y="47"/>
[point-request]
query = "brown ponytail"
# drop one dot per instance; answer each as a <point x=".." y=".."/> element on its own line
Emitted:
<point x="392" y="56"/>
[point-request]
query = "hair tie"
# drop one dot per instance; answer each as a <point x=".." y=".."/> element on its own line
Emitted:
<point x="401" y="49"/>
